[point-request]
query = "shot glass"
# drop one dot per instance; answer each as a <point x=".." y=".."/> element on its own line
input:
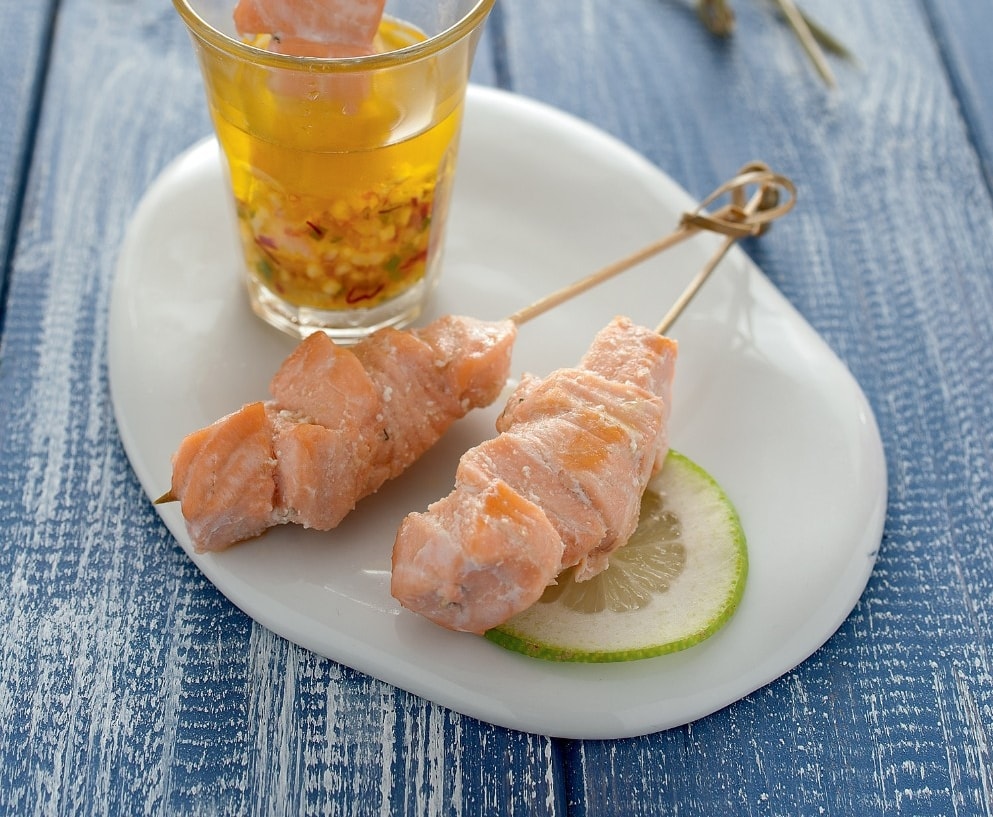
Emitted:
<point x="341" y="168"/>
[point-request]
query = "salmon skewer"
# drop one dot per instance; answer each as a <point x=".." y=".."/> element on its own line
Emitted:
<point x="342" y="421"/>
<point x="340" y="424"/>
<point x="560" y="486"/>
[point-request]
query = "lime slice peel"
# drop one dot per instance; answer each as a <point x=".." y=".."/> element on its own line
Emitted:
<point x="676" y="583"/>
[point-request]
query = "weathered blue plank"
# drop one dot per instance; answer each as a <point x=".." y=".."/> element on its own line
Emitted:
<point x="24" y="37"/>
<point x="889" y="254"/>
<point x="128" y="685"/>
<point x="962" y="28"/>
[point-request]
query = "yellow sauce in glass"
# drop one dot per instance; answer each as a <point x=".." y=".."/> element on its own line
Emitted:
<point x="335" y="210"/>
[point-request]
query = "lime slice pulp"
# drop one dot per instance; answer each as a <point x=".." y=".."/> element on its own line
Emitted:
<point x="676" y="582"/>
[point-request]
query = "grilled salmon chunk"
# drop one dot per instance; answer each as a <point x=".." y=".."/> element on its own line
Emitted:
<point x="341" y="422"/>
<point x="560" y="486"/>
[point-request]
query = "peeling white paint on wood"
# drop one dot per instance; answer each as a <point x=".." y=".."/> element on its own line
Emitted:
<point x="128" y="685"/>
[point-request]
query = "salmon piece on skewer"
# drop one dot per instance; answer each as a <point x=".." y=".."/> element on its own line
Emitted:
<point x="577" y="425"/>
<point x="228" y="510"/>
<point x="518" y="458"/>
<point x="341" y="422"/>
<point x="574" y="455"/>
<point x="612" y="357"/>
<point x="314" y="28"/>
<point x="461" y="534"/>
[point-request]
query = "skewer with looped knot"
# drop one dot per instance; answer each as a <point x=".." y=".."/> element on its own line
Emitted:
<point x="742" y="217"/>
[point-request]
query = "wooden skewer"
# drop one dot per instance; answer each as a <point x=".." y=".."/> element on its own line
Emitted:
<point x="552" y="300"/>
<point x="735" y="220"/>
<point x="764" y="200"/>
<point x="807" y="39"/>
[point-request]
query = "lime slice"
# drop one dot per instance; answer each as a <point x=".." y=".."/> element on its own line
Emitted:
<point x="675" y="583"/>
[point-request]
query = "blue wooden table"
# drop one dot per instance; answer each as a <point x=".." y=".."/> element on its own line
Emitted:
<point x="129" y="685"/>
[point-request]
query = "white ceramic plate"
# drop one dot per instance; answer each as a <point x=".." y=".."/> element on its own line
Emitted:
<point x="541" y="199"/>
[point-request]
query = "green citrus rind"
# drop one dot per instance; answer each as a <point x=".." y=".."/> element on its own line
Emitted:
<point x="697" y="603"/>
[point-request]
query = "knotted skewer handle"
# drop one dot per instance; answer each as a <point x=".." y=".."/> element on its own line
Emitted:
<point x="740" y="219"/>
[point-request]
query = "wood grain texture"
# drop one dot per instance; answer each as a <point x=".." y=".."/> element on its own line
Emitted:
<point x="129" y="685"/>
<point x="889" y="255"/>
<point x="24" y="36"/>
<point x="963" y="39"/>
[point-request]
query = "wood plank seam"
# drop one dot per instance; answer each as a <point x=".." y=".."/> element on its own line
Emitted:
<point x="24" y="155"/>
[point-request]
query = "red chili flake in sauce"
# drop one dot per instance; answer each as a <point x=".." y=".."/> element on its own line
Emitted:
<point x="355" y="296"/>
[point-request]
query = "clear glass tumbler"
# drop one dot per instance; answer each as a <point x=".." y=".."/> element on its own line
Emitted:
<point x="341" y="168"/>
